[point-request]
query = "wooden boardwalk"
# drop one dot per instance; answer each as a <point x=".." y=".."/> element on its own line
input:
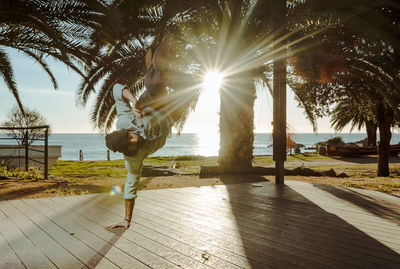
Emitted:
<point x="300" y="225"/>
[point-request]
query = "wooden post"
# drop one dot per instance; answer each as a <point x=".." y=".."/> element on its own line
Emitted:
<point x="26" y="150"/>
<point x="279" y="93"/>
<point x="108" y="154"/>
<point x="46" y="153"/>
<point x="80" y="155"/>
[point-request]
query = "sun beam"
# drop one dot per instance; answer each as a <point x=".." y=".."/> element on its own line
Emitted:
<point x="212" y="81"/>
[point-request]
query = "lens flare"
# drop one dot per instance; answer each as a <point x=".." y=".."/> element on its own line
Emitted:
<point x="212" y="81"/>
<point x="115" y="190"/>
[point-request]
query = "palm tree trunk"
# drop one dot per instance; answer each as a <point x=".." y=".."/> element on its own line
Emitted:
<point x="236" y="126"/>
<point x="385" y="119"/>
<point x="371" y="133"/>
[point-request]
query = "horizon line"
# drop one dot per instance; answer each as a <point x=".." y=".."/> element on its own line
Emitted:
<point x="254" y="133"/>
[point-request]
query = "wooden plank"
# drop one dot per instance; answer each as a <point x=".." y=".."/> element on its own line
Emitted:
<point x="232" y="226"/>
<point x="93" y="243"/>
<point x="309" y="239"/>
<point x="343" y="193"/>
<point x="193" y="229"/>
<point x="53" y="251"/>
<point x="277" y="250"/>
<point x="8" y="259"/>
<point x="258" y="206"/>
<point x="27" y="252"/>
<point x="233" y="253"/>
<point x="65" y="238"/>
<point x="391" y="228"/>
<point x="242" y="215"/>
<point x="101" y="246"/>
<point x="391" y="200"/>
<point x="268" y="190"/>
<point x="105" y="245"/>
<point x="265" y="240"/>
<point x="241" y="195"/>
<point x="230" y="256"/>
<point x="313" y="247"/>
<point x="164" y="251"/>
<point x="197" y="254"/>
<point x="261" y="210"/>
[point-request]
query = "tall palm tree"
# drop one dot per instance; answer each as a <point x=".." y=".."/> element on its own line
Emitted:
<point x="358" y="113"/>
<point x="125" y="33"/>
<point x="41" y="28"/>
<point x="351" y="47"/>
<point x="238" y="42"/>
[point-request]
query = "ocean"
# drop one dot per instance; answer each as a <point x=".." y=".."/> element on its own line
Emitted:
<point x="94" y="148"/>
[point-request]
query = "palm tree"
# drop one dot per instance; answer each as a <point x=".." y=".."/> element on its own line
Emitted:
<point x="350" y="47"/>
<point x="358" y="115"/>
<point x="238" y="42"/>
<point x="41" y="28"/>
<point x="124" y="34"/>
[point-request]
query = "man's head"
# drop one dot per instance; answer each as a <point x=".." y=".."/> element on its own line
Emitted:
<point x="125" y="142"/>
<point x="134" y="142"/>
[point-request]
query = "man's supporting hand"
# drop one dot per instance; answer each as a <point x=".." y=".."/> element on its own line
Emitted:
<point x="123" y="224"/>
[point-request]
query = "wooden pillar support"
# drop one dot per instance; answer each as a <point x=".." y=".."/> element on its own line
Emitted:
<point x="279" y="93"/>
<point x="80" y="155"/>
<point x="26" y="150"/>
<point x="46" y="153"/>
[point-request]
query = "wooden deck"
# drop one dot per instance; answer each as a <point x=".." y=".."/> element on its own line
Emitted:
<point x="235" y="226"/>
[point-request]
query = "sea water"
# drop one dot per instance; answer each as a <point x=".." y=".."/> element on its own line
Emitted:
<point x="94" y="148"/>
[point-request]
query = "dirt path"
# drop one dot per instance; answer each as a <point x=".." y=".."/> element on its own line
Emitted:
<point x="347" y="161"/>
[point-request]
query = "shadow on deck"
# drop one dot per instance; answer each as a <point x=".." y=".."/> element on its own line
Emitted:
<point x="232" y="226"/>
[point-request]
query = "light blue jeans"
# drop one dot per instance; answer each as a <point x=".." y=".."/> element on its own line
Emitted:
<point x="134" y="165"/>
<point x="153" y="140"/>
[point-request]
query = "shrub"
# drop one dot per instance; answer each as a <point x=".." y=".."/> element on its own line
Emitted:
<point x="337" y="141"/>
<point x="9" y="172"/>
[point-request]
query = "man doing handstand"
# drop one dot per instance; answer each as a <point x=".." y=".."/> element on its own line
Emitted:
<point x="148" y="125"/>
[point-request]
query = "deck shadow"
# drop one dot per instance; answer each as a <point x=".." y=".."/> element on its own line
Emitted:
<point x="71" y="215"/>
<point x="364" y="202"/>
<point x="280" y="227"/>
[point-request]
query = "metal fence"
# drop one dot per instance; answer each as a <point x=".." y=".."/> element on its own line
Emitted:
<point x="27" y="149"/>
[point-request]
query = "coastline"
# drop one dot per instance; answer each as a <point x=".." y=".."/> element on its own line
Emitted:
<point x="187" y="144"/>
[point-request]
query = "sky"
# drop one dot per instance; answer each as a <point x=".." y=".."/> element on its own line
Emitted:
<point x="64" y="116"/>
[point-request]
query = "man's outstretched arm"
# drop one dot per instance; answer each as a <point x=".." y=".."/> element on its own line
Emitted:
<point x="128" y="96"/>
<point x="129" y="205"/>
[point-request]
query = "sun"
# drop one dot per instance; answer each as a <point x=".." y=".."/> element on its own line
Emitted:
<point x="212" y="81"/>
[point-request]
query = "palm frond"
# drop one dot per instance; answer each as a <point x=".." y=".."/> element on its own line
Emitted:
<point x="43" y="64"/>
<point x="6" y="72"/>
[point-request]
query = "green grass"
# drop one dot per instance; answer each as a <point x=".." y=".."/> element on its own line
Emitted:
<point x="66" y="191"/>
<point x="379" y="186"/>
<point x="116" y="168"/>
<point x="85" y="169"/>
<point x="191" y="164"/>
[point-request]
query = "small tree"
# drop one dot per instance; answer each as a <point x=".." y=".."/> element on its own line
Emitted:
<point x="290" y="143"/>
<point x="31" y="118"/>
